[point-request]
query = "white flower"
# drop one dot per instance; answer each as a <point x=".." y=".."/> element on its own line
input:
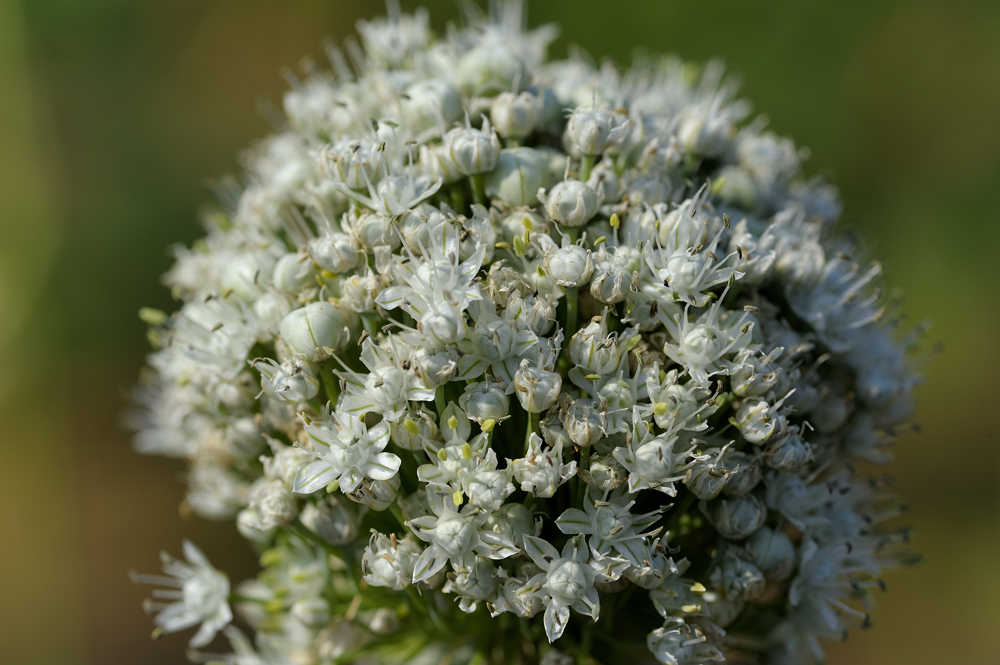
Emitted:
<point x="702" y="346"/>
<point x="387" y="388"/>
<point x="385" y="277"/>
<point x="541" y="470"/>
<point x="536" y="387"/>
<point x="592" y="131"/>
<point x="515" y="115"/>
<point x="314" y="331"/>
<point x="346" y="454"/>
<point x="611" y="526"/>
<point x="567" y="581"/>
<point x="199" y="595"/>
<point x="568" y="266"/>
<point x="388" y="562"/>
<point x="455" y="535"/>
<point x="571" y="203"/>
<point x="473" y="151"/>
<point x="291" y="381"/>
<point x="519" y="174"/>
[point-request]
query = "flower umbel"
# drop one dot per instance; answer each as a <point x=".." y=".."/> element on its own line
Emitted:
<point x="487" y="333"/>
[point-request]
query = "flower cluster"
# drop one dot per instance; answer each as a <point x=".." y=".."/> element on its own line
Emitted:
<point x="487" y="344"/>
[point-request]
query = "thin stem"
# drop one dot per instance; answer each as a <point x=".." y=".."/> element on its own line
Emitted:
<point x="347" y="554"/>
<point x="581" y="486"/>
<point x="586" y="639"/>
<point x="679" y="510"/>
<point x="440" y="402"/>
<point x="457" y="199"/>
<point x="478" y="188"/>
<point x="572" y="312"/>
<point x="532" y="428"/>
<point x="586" y="164"/>
<point x="331" y="386"/>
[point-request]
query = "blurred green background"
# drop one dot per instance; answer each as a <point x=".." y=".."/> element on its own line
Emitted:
<point x="113" y="113"/>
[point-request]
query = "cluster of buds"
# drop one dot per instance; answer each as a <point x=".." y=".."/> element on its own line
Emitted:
<point x="486" y="335"/>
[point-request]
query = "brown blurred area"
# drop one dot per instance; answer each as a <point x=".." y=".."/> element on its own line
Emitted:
<point x="113" y="114"/>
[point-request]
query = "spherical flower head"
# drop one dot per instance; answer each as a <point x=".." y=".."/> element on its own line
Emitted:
<point x="698" y="351"/>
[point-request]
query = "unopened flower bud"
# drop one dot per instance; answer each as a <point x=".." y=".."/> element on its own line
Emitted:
<point x="517" y="177"/>
<point x="249" y="525"/>
<point x="335" y="252"/>
<point x="485" y="400"/>
<point x="488" y="69"/>
<point x="537" y="389"/>
<point x="410" y="431"/>
<point x="513" y="521"/>
<point x="706" y="480"/>
<point x="515" y="115"/>
<point x="389" y="562"/>
<point x="592" y="349"/>
<point x="568" y="266"/>
<point x="472" y="150"/>
<point x="430" y="104"/>
<point x="612" y="283"/>
<point x="571" y="203"/>
<point x="331" y="520"/>
<point x="274" y="504"/>
<point x="442" y="323"/>
<point x="738" y="579"/>
<point x="309" y="331"/>
<point x="435" y="368"/>
<point x="377" y="494"/>
<point x="584" y="420"/>
<point x="359" y="293"/>
<point x="671" y="644"/>
<point x="745" y="473"/>
<point x="291" y="273"/>
<point x="291" y="381"/>
<point x="591" y="131"/>
<point x="374" y="229"/>
<point x="789" y="453"/>
<point x="607" y="473"/>
<point x="737" y="518"/>
<point x="759" y="421"/>
<point x="772" y="552"/>
<point x="831" y="414"/>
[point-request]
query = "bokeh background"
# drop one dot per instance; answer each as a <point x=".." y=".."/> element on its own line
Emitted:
<point x="114" y="112"/>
